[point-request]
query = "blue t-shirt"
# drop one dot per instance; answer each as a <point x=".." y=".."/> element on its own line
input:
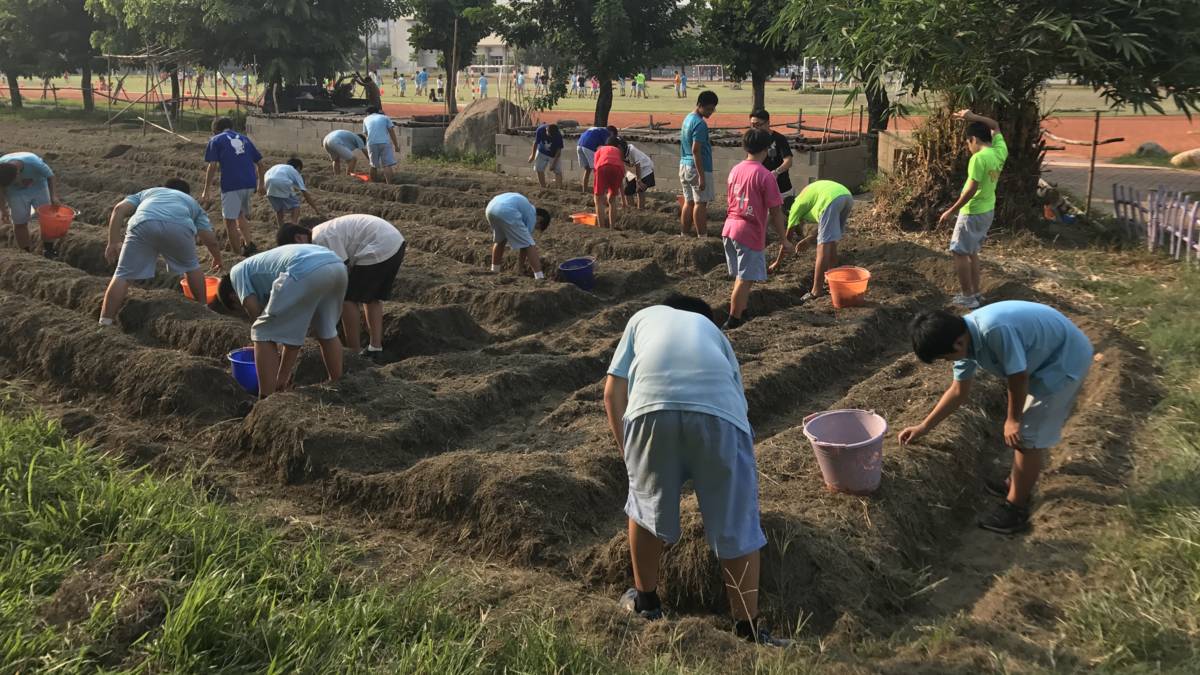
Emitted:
<point x="344" y="139"/>
<point x="545" y="144"/>
<point x="376" y="128"/>
<point x="520" y="79"/>
<point x="513" y="208"/>
<point x="683" y="80"/>
<point x="255" y="275"/>
<point x="170" y="206"/>
<point x="483" y="83"/>
<point x="1017" y="337"/>
<point x="695" y="129"/>
<point x="679" y="360"/>
<point x="593" y="138"/>
<point x="283" y="180"/>
<point x="237" y="157"/>
<point x="33" y="176"/>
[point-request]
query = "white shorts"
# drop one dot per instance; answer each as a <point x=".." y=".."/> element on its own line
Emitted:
<point x="339" y="152"/>
<point x="689" y="179"/>
<point x="587" y="158"/>
<point x="543" y="163"/>
<point x="1045" y="416"/>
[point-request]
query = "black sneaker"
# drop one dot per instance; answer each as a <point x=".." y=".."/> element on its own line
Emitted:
<point x="1008" y="518"/>
<point x="996" y="488"/>
<point x="372" y="356"/>
<point x="628" y="602"/>
<point x="734" y="322"/>
<point x="754" y="631"/>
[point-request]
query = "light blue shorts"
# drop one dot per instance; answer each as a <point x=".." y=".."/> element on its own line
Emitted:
<point x="516" y="235"/>
<point x="833" y="220"/>
<point x="337" y="151"/>
<point x="970" y="231"/>
<point x="382" y="155"/>
<point x="149" y="239"/>
<point x="295" y="304"/>
<point x="666" y="448"/>
<point x="24" y="203"/>
<point x="236" y="204"/>
<point x="1045" y="416"/>
<point x="284" y="203"/>
<point x="744" y="262"/>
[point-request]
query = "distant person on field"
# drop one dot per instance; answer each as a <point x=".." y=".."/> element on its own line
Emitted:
<point x="640" y="79"/>
<point x="828" y="204"/>
<point x="401" y="84"/>
<point x="28" y="183"/>
<point x="779" y="157"/>
<point x="513" y="219"/>
<point x="1044" y="359"/>
<point x="610" y="174"/>
<point x="639" y="175"/>
<point x="547" y="153"/>
<point x="621" y="84"/>
<point x="373" y="249"/>
<point x="483" y="84"/>
<point x="287" y="290"/>
<point x="696" y="166"/>
<point x="242" y="175"/>
<point x="585" y="152"/>
<point x="285" y="187"/>
<point x="754" y="198"/>
<point x="341" y="145"/>
<point x="977" y="203"/>
<point x="683" y="85"/>
<point x="163" y="221"/>
<point x="382" y="145"/>
<point x="678" y="82"/>
<point x="676" y="407"/>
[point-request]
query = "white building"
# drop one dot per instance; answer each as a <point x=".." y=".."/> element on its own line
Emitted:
<point x="491" y="50"/>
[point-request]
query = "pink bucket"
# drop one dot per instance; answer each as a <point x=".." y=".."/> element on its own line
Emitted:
<point x="849" y="448"/>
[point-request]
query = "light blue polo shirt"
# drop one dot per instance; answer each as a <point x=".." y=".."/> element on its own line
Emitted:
<point x="376" y="128"/>
<point x="33" y="176"/>
<point x="283" y="180"/>
<point x="695" y="129"/>
<point x="1015" y="336"/>
<point x="513" y="208"/>
<point x="255" y="275"/>
<point x="345" y="139"/>
<point x="169" y="206"/>
<point x="679" y="360"/>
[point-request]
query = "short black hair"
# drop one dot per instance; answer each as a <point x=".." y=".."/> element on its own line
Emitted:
<point x="371" y="110"/>
<point x="8" y="173"/>
<point x="225" y="293"/>
<point x="362" y="136"/>
<point x="612" y="131"/>
<point x="707" y="98"/>
<point x="178" y="184"/>
<point x="296" y="163"/>
<point x="553" y="131"/>
<point x="310" y="222"/>
<point x="761" y="114"/>
<point x="755" y="141"/>
<point x="221" y="124"/>
<point x="689" y="303"/>
<point x="934" y="332"/>
<point x="287" y="234"/>
<point x="544" y="217"/>
<point x="979" y="130"/>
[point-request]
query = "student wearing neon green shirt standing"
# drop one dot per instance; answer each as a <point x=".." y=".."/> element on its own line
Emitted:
<point x="977" y="203"/>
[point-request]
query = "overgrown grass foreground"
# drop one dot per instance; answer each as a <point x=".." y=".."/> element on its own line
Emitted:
<point x="107" y="569"/>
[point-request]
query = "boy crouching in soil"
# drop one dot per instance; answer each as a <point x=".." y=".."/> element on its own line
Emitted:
<point x="1044" y="358"/>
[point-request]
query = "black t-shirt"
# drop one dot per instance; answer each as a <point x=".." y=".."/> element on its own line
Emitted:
<point x="775" y="156"/>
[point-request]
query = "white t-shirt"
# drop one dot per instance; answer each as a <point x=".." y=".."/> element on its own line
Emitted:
<point x="635" y="156"/>
<point x="359" y="239"/>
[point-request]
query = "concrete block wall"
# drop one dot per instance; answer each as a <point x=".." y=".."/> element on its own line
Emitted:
<point x="845" y="165"/>
<point x="892" y="146"/>
<point x="286" y="135"/>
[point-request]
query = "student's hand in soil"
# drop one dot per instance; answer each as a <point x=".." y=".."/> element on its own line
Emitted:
<point x="773" y="268"/>
<point x="910" y="434"/>
<point x="1012" y="433"/>
<point x="946" y="215"/>
<point x="112" y="252"/>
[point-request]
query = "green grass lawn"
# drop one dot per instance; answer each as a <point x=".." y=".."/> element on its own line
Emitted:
<point x="1148" y="160"/>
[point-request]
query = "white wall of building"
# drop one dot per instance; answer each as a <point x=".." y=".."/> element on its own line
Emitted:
<point x="491" y="50"/>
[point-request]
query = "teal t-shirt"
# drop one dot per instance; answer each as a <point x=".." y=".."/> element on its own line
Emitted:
<point x="695" y="129"/>
<point x="169" y="206"/>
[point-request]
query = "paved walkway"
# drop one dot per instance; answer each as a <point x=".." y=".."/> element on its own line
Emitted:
<point x="1073" y="176"/>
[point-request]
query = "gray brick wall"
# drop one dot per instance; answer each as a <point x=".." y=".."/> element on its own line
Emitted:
<point x="285" y="135"/>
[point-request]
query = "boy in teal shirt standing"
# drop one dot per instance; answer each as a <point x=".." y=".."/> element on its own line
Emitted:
<point x="977" y="203"/>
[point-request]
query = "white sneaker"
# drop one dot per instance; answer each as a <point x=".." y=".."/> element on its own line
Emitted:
<point x="967" y="301"/>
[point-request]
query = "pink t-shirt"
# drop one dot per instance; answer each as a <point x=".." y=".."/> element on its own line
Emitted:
<point x="753" y="192"/>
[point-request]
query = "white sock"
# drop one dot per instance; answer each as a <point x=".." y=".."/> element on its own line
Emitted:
<point x="373" y="348"/>
<point x="539" y="275"/>
<point x="495" y="268"/>
<point x="105" y="322"/>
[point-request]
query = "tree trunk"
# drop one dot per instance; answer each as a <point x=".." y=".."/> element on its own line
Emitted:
<point x="759" y="84"/>
<point x="14" y="90"/>
<point x="878" y="115"/>
<point x="451" y="81"/>
<point x="603" y="103"/>
<point x="1021" y="123"/>
<point x="85" y="83"/>
<point x="173" y="106"/>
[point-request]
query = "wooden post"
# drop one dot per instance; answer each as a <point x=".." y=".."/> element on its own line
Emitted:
<point x="829" y="113"/>
<point x="1092" y="165"/>
<point x="454" y="73"/>
<point x="146" y="99"/>
<point x="861" y="112"/>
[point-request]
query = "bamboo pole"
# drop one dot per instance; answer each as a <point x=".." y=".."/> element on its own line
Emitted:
<point x="1092" y="164"/>
<point x="829" y="113"/>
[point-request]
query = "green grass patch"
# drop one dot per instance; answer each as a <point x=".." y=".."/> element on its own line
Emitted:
<point x="1143" y="160"/>
<point x="106" y="569"/>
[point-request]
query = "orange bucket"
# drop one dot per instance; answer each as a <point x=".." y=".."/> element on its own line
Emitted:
<point x="211" y="284"/>
<point x="588" y="219"/>
<point x="54" y="220"/>
<point x="848" y="286"/>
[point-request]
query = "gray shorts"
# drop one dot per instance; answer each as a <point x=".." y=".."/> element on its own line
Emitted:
<point x="503" y="232"/>
<point x="22" y="205"/>
<point x="149" y="239"/>
<point x="339" y="152"/>
<point x="284" y="203"/>
<point x="833" y="220"/>
<point x="382" y="155"/>
<point x="236" y="204"/>
<point x="296" y="304"/>
<point x="1045" y="416"/>
<point x="744" y="262"/>
<point x="543" y="163"/>
<point x="587" y="158"/>
<point x="666" y="448"/>
<point x="689" y="179"/>
<point x="970" y="231"/>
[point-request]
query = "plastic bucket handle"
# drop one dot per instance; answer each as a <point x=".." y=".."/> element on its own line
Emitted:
<point x="838" y="445"/>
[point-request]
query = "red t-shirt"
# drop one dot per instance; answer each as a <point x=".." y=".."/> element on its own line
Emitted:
<point x="752" y="193"/>
<point x="609" y="155"/>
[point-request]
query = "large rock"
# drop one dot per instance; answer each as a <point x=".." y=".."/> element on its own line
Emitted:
<point x="1187" y="159"/>
<point x="1151" y="149"/>
<point x="474" y="129"/>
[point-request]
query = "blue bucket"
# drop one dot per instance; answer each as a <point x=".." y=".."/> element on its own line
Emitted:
<point x="579" y="271"/>
<point x="243" y="369"/>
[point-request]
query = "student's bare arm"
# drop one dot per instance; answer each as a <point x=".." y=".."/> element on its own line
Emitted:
<point x="955" y="395"/>
<point x="967" y="116"/>
<point x="116" y="223"/>
<point x="308" y="198"/>
<point x="260" y="174"/>
<point x="209" y="172"/>
<point x="779" y="224"/>
<point x="616" y="399"/>
<point x="395" y="141"/>
<point x="210" y="242"/>
<point x="52" y="183"/>
<point x="251" y="306"/>
<point x="1018" y="389"/>
<point x="696" y="153"/>
<point x="968" y="191"/>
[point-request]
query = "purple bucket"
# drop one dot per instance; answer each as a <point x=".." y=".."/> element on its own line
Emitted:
<point x="849" y="448"/>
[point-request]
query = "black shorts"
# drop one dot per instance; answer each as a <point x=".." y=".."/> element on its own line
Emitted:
<point x="373" y="283"/>
<point x="631" y="186"/>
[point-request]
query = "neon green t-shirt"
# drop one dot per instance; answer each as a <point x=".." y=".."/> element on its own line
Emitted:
<point x="984" y="168"/>
<point x="640" y="79"/>
<point x="813" y="200"/>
